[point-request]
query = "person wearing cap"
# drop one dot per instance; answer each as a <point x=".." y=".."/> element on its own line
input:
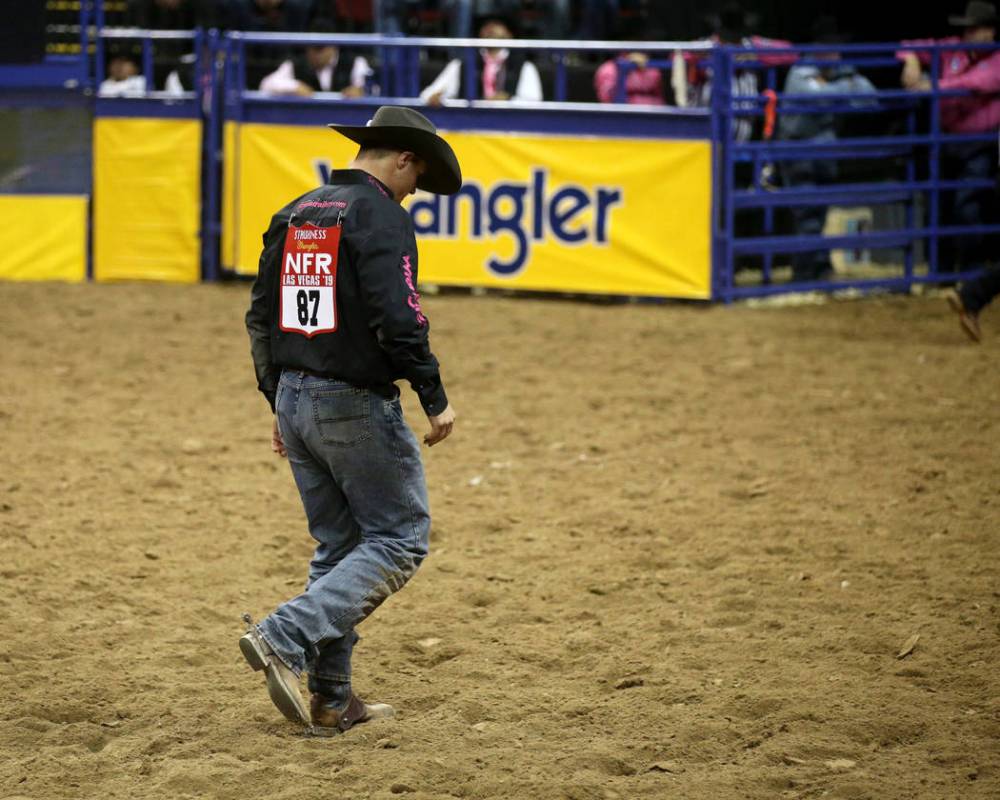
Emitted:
<point x="977" y="72"/>
<point x="335" y="319"/>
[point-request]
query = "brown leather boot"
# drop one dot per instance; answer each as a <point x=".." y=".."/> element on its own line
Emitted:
<point x="969" y="320"/>
<point x="282" y="683"/>
<point x="330" y="720"/>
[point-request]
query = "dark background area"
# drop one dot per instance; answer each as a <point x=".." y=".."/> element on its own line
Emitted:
<point x="863" y="20"/>
<point x="22" y="34"/>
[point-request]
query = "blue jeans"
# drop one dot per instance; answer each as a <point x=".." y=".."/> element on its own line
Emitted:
<point x="358" y="470"/>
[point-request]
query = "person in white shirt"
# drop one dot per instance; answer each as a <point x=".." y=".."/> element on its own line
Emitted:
<point x="321" y="70"/>
<point x="503" y="74"/>
<point x="124" y="79"/>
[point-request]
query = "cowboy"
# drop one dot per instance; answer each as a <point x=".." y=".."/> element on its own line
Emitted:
<point x="334" y="320"/>
<point x="976" y="71"/>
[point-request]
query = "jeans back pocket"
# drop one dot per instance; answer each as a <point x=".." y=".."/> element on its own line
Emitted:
<point x="342" y="416"/>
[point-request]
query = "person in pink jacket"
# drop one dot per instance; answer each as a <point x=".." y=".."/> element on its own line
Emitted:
<point x="643" y="84"/>
<point x="978" y="73"/>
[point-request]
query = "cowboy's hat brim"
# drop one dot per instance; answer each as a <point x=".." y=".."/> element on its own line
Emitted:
<point x="443" y="174"/>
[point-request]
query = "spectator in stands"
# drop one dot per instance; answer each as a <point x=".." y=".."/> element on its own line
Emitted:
<point x="977" y="71"/>
<point x="321" y="69"/>
<point x="643" y="84"/>
<point x="827" y="79"/>
<point x="124" y="78"/>
<point x="503" y="74"/>
<point x="692" y="79"/>
<point x="173" y="61"/>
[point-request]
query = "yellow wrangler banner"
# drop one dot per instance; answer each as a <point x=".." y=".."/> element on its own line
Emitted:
<point x="43" y="237"/>
<point x="552" y="213"/>
<point x="147" y="199"/>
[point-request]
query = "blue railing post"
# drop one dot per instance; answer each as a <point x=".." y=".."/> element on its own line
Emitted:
<point x="212" y="120"/>
<point x="910" y="215"/>
<point x="935" y="165"/>
<point x="98" y="43"/>
<point x="624" y="66"/>
<point x="414" y="72"/>
<point x="84" y="63"/>
<point x="729" y="173"/>
<point x="721" y="175"/>
<point x="772" y="84"/>
<point x="560" y="75"/>
<point x="147" y="64"/>
<point x="398" y="72"/>
<point x="469" y="73"/>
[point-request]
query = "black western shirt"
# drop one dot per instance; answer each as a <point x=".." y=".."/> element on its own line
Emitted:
<point x="335" y="293"/>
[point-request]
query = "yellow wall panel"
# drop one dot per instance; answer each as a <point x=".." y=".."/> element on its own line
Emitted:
<point x="147" y="199"/>
<point x="555" y="213"/>
<point x="43" y="237"/>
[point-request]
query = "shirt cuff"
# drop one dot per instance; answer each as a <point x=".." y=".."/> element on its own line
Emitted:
<point x="432" y="395"/>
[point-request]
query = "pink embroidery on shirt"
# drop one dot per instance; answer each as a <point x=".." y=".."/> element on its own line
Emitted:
<point x="377" y="185"/>
<point x="322" y="204"/>
<point x="413" y="301"/>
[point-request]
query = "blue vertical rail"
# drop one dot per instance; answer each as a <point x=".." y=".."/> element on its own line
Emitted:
<point x="208" y="74"/>
<point x="99" y="65"/>
<point x="935" y="164"/>
<point x="723" y="178"/>
<point x="909" y="254"/>
<point x="84" y="65"/>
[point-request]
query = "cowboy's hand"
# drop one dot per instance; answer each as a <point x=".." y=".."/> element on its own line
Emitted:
<point x="639" y="59"/>
<point x="303" y="89"/>
<point x="277" y="445"/>
<point x="911" y="72"/>
<point x="352" y="91"/>
<point x="435" y="99"/>
<point x="441" y="426"/>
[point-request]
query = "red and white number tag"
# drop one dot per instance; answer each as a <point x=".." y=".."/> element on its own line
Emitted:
<point x="309" y="280"/>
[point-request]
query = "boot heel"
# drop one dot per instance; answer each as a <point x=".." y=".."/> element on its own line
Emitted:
<point x="253" y="652"/>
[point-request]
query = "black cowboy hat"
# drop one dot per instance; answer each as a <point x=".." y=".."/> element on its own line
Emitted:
<point x="976" y="13"/>
<point x="406" y="129"/>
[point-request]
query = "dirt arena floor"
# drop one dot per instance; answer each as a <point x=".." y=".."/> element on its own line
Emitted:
<point x="677" y="551"/>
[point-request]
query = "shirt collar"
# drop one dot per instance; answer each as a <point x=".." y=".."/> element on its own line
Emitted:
<point x="501" y="55"/>
<point x="360" y="177"/>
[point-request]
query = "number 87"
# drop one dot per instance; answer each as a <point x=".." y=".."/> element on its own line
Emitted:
<point x="302" y="299"/>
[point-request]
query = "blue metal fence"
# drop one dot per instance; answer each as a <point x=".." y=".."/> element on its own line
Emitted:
<point x="912" y="149"/>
